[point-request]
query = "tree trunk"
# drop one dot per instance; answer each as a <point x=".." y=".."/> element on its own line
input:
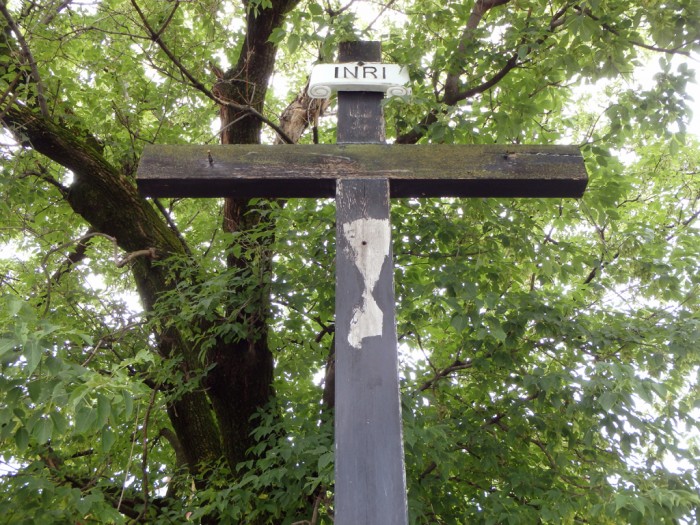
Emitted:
<point x="212" y="420"/>
<point x="110" y="203"/>
<point x="241" y="381"/>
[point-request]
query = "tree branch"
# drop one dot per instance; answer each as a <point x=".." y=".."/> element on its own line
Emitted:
<point x="497" y="418"/>
<point x="383" y="10"/>
<point x="415" y="134"/>
<point x="56" y="466"/>
<point x="91" y="233"/>
<point x="610" y="29"/>
<point x="454" y="367"/>
<point x="301" y="113"/>
<point x="73" y="258"/>
<point x="332" y="13"/>
<point x="453" y="94"/>
<point x="28" y="57"/>
<point x="110" y="203"/>
<point x="481" y="7"/>
<point x="328" y="396"/>
<point x="10" y="95"/>
<point x="48" y="18"/>
<point x="169" y="19"/>
<point x="431" y="467"/>
<point x="476" y="90"/>
<point x="43" y="174"/>
<point x="249" y="110"/>
<point x="594" y="272"/>
<point x="148" y="252"/>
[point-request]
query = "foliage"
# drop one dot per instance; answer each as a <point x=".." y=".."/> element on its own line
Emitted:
<point x="548" y="348"/>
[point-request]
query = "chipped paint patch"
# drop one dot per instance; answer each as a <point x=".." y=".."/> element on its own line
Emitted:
<point x="369" y="240"/>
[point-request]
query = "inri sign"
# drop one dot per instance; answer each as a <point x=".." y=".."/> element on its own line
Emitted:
<point x="358" y="76"/>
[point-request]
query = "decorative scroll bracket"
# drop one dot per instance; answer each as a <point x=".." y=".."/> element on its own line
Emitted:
<point x="389" y="79"/>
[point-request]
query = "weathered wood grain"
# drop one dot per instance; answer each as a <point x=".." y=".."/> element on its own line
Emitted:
<point x="430" y="170"/>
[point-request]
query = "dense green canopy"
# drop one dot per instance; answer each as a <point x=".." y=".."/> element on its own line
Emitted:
<point x="171" y="361"/>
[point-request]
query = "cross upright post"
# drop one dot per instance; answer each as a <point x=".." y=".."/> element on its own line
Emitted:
<point x="370" y="481"/>
<point x="362" y="173"/>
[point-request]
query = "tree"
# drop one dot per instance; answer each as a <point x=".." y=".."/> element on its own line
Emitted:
<point x="549" y="355"/>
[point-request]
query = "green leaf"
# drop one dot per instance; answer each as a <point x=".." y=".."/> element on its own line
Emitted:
<point x="85" y="419"/>
<point x="315" y="9"/>
<point x="128" y="404"/>
<point x="60" y="423"/>
<point x="21" y="438"/>
<point x="13" y="304"/>
<point x="497" y="332"/>
<point x="104" y="410"/>
<point x="277" y="35"/>
<point x="53" y="364"/>
<point x="35" y="388"/>
<point x="607" y="400"/>
<point x="293" y="41"/>
<point x="33" y="352"/>
<point x="6" y="345"/>
<point x="459" y="322"/>
<point x="42" y="430"/>
<point x="325" y="459"/>
<point x="107" y="439"/>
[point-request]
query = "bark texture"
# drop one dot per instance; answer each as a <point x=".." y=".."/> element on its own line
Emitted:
<point x="110" y="203"/>
<point x="241" y="381"/>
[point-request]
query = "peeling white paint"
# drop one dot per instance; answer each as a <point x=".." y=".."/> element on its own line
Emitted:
<point x="369" y="240"/>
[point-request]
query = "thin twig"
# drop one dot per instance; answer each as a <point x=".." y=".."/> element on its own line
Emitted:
<point x="384" y="9"/>
<point x="333" y="13"/>
<point x="107" y="342"/>
<point x="48" y="254"/>
<point x="169" y="19"/>
<point x="131" y="456"/>
<point x="72" y="259"/>
<point x="637" y="43"/>
<point x="224" y="128"/>
<point x="454" y="367"/>
<point x="144" y="455"/>
<point x="479" y="10"/>
<point x="172" y="224"/>
<point x="314" y="514"/>
<point x="148" y="252"/>
<point x="10" y="91"/>
<point x="79" y="240"/>
<point x="431" y="466"/>
<point x="48" y="18"/>
<point x="43" y="174"/>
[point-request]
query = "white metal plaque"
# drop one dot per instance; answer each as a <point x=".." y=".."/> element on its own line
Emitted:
<point x="389" y="79"/>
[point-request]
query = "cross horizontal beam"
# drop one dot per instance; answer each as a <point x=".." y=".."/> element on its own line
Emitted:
<point x="431" y="170"/>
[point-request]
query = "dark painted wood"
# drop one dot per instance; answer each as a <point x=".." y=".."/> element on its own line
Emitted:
<point x="370" y="482"/>
<point x="360" y="114"/>
<point x="430" y="170"/>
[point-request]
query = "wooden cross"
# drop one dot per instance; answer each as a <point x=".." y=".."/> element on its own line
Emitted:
<point x="363" y="173"/>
